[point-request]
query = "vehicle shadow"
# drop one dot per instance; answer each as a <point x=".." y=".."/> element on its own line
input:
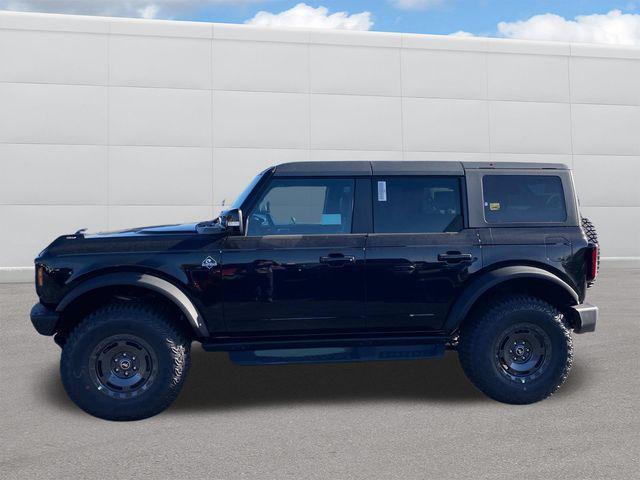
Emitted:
<point x="215" y="383"/>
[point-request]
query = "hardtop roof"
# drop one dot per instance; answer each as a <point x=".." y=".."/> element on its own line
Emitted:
<point x="400" y="167"/>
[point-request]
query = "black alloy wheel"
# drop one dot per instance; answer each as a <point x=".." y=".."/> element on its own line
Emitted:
<point x="522" y="352"/>
<point x="126" y="360"/>
<point x="516" y="349"/>
<point x="123" y="366"/>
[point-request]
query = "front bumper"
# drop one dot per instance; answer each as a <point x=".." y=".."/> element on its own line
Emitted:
<point x="44" y="319"/>
<point x="585" y="317"/>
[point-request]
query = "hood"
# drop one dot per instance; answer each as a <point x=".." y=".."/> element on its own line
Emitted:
<point x="175" y="229"/>
<point x="159" y="238"/>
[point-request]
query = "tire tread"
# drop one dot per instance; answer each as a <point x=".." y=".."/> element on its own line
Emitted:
<point x="475" y="327"/>
<point x="159" y="319"/>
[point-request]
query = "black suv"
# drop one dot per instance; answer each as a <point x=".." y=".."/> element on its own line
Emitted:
<point x="331" y="262"/>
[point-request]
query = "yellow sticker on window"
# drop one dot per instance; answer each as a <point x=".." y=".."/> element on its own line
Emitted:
<point x="493" y="206"/>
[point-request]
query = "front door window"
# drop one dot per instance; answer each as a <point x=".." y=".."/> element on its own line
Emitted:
<point x="303" y="207"/>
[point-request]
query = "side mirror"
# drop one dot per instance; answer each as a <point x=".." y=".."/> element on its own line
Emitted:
<point x="232" y="219"/>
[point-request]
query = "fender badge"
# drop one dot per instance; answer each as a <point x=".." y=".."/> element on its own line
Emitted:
<point x="209" y="263"/>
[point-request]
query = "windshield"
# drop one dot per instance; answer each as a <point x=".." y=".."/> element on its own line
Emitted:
<point x="245" y="193"/>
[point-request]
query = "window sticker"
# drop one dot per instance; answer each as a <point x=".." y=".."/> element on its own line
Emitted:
<point x="382" y="191"/>
<point x="494" y="206"/>
<point x="331" y="219"/>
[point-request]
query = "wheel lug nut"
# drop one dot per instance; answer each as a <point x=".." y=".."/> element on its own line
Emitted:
<point x="135" y="368"/>
<point x="117" y="369"/>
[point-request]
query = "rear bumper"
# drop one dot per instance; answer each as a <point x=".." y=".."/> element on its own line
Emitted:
<point x="585" y="317"/>
<point x="44" y="319"/>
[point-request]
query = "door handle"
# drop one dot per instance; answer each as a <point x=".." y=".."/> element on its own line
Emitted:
<point x="404" y="268"/>
<point x="454" y="257"/>
<point x="337" y="259"/>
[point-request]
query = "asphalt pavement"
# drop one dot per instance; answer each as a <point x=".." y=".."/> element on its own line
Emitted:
<point x="408" y="419"/>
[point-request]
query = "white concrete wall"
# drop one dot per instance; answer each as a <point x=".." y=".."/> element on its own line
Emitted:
<point x="109" y="123"/>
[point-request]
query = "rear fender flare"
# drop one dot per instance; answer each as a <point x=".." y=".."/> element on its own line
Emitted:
<point x="150" y="282"/>
<point x="493" y="278"/>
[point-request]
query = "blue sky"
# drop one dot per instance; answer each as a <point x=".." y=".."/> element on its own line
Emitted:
<point x="476" y="16"/>
<point x="599" y="21"/>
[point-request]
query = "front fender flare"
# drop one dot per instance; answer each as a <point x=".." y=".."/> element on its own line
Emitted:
<point x="151" y="282"/>
<point x="490" y="279"/>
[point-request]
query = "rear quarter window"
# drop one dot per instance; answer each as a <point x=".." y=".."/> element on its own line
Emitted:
<point x="523" y="199"/>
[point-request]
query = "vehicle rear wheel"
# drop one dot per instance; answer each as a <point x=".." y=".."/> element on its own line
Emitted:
<point x="125" y="361"/>
<point x="518" y="351"/>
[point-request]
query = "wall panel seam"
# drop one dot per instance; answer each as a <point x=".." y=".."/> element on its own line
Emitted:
<point x="309" y="116"/>
<point x="402" y="131"/>
<point x="488" y="104"/>
<point x="570" y="106"/>
<point x="622" y="155"/>
<point x="108" y="123"/>
<point x="291" y="92"/>
<point x="148" y="87"/>
<point x="211" y="90"/>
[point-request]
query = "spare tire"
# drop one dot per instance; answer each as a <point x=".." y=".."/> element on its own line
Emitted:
<point x="592" y="235"/>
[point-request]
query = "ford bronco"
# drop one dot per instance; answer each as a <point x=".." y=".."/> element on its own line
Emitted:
<point x="331" y="262"/>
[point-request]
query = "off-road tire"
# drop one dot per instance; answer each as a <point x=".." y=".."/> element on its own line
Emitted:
<point x="592" y="235"/>
<point x="168" y="346"/>
<point x="479" y="349"/>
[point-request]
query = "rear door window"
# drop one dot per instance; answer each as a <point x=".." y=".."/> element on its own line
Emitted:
<point x="523" y="199"/>
<point x="416" y="204"/>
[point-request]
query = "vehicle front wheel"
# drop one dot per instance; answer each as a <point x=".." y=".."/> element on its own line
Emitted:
<point x="517" y="351"/>
<point x="125" y="361"/>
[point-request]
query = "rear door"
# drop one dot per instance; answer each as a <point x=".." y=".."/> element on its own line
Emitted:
<point x="419" y="253"/>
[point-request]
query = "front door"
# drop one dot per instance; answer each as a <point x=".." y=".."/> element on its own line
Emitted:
<point x="419" y="254"/>
<point x="299" y="267"/>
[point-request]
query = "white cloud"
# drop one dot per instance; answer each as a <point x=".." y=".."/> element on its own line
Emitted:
<point x="302" y="15"/>
<point x="117" y="8"/>
<point x="461" y="33"/>
<point x="150" y="11"/>
<point x="614" y="27"/>
<point x="416" y="4"/>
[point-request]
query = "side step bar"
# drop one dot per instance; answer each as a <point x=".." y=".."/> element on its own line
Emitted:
<point x="261" y="351"/>
<point x="336" y="354"/>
